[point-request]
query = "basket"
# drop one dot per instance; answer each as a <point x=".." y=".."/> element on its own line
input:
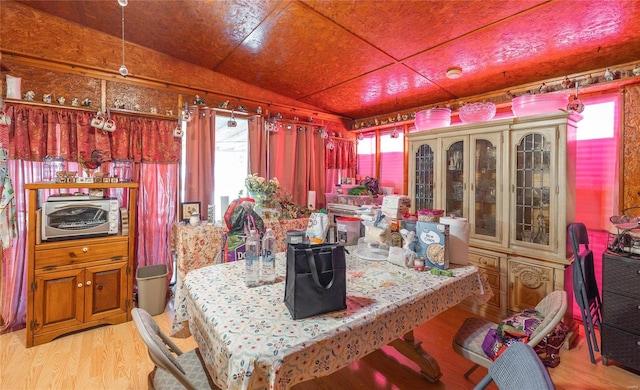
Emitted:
<point x="624" y="233"/>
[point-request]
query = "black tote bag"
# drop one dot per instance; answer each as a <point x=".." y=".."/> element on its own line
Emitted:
<point x="316" y="281"/>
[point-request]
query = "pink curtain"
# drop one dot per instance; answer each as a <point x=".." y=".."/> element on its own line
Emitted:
<point x="340" y="162"/>
<point x="40" y="131"/>
<point x="158" y="192"/>
<point x="36" y="132"/>
<point x="199" y="160"/>
<point x="258" y="146"/>
<point x="296" y="158"/>
<point x="14" y="266"/>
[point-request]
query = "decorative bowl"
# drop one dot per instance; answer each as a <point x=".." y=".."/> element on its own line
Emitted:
<point x="477" y="112"/>
<point x="433" y="118"/>
<point x="539" y="103"/>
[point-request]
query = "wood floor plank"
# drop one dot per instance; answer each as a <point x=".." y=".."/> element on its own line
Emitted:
<point x="115" y="358"/>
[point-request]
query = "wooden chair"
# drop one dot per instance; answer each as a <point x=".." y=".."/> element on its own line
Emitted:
<point x="468" y="340"/>
<point x="173" y="368"/>
<point x="585" y="286"/>
<point x="519" y="367"/>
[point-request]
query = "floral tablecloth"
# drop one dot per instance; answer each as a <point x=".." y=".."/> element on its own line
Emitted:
<point x="249" y="341"/>
<point x="197" y="246"/>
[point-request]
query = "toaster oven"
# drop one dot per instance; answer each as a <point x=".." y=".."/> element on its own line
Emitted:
<point x="67" y="219"/>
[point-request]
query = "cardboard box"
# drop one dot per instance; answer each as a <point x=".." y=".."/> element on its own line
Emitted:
<point x="392" y="202"/>
<point x="433" y="243"/>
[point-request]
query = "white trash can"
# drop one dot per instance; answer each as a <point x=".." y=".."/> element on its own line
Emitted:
<point x="152" y="288"/>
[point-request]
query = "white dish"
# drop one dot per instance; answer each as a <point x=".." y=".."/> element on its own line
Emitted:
<point x="372" y="254"/>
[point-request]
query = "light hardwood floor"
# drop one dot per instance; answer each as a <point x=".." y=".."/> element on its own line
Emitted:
<point x="114" y="357"/>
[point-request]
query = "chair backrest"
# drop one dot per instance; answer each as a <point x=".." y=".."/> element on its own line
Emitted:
<point x="160" y="347"/>
<point x="519" y="367"/>
<point x="583" y="267"/>
<point x="553" y="307"/>
<point x="578" y="236"/>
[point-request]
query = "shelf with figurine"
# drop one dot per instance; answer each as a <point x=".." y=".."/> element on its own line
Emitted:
<point x="45" y="104"/>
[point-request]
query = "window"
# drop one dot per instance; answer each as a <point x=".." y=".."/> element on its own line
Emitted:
<point x="366" y="159"/>
<point x="597" y="162"/>
<point x="231" y="160"/>
<point x="231" y="163"/>
<point x="392" y="161"/>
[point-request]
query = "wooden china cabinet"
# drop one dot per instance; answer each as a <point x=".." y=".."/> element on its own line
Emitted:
<point x="75" y="284"/>
<point x="513" y="179"/>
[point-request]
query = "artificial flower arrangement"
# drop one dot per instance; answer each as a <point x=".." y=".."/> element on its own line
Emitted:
<point x="272" y="196"/>
<point x="259" y="184"/>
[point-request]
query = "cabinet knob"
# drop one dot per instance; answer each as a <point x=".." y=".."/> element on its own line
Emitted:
<point x="88" y="283"/>
<point x="79" y="285"/>
<point x="638" y="343"/>
<point x="483" y="261"/>
<point x="85" y="249"/>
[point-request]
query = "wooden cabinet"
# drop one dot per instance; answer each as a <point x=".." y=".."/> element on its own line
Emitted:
<point x="514" y="180"/>
<point x="464" y="175"/>
<point x="620" y="333"/>
<point x="78" y="283"/>
<point x="494" y="268"/>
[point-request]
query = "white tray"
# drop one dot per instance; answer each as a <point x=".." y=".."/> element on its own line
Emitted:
<point x="372" y="254"/>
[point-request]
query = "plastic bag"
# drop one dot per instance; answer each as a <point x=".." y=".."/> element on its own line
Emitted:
<point x="240" y="219"/>
<point x="317" y="228"/>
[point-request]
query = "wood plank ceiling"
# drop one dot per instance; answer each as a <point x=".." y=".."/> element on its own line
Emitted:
<point x="360" y="58"/>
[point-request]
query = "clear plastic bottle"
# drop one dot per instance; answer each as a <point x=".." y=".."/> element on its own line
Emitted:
<point x="252" y="259"/>
<point x="268" y="257"/>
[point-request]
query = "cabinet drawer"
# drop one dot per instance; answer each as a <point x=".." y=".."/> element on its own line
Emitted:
<point x="621" y="275"/>
<point x="621" y="311"/>
<point x="81" y="254"/>
<point x="621" y="346"/>
<point x="484" y="261"/>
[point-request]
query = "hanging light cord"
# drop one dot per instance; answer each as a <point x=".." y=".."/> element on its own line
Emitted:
<point x="123" y="68"/>
<point x="122" y="35"/>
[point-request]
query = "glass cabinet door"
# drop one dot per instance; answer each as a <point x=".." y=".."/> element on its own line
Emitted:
<point x="532" y="186"/>
<point x="455" y="186"/>
<point x="487" y="170"/>
<point x="425" y="177"/>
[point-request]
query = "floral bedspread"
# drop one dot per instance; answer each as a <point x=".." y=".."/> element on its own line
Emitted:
<point x="197" y="246"/>
<point x="249" y="341"/>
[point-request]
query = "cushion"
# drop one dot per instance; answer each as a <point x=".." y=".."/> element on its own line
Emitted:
<point x="516" y="328"/>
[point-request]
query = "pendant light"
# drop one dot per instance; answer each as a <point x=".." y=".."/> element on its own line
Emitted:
<point x="123" y="69"/>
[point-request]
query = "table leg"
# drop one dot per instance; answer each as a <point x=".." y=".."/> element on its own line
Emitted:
<point x="412" y="349"/>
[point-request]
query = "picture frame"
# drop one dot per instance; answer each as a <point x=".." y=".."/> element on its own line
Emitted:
<point x="188" y="208"/>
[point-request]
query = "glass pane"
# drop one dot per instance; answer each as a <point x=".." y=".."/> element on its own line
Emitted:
<point x="366" y="156"/>
<point x="455" y="180"/>
<point x="533" y="189"/>
<point x="485" y="188"/>
<point x="424" y="178"/>
<point x="392" y="161"/>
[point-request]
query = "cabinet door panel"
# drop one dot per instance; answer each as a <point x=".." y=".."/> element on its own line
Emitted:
<point x="486" y="181"/>
<point x="59" y="299"/>
<point x="534" y="199"/>
<point x="455" y="165"/>
<point x="106" y="291"/>
<point x="423" y="189"/>
<point x="528" y="284"/>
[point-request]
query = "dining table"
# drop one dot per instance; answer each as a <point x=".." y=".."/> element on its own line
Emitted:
<point x="201" y="245"/>
<point x="248" y="340"/>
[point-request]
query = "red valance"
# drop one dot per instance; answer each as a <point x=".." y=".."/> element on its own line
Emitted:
<point x="342" y="156"/>
<point x="36" y="132"/>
